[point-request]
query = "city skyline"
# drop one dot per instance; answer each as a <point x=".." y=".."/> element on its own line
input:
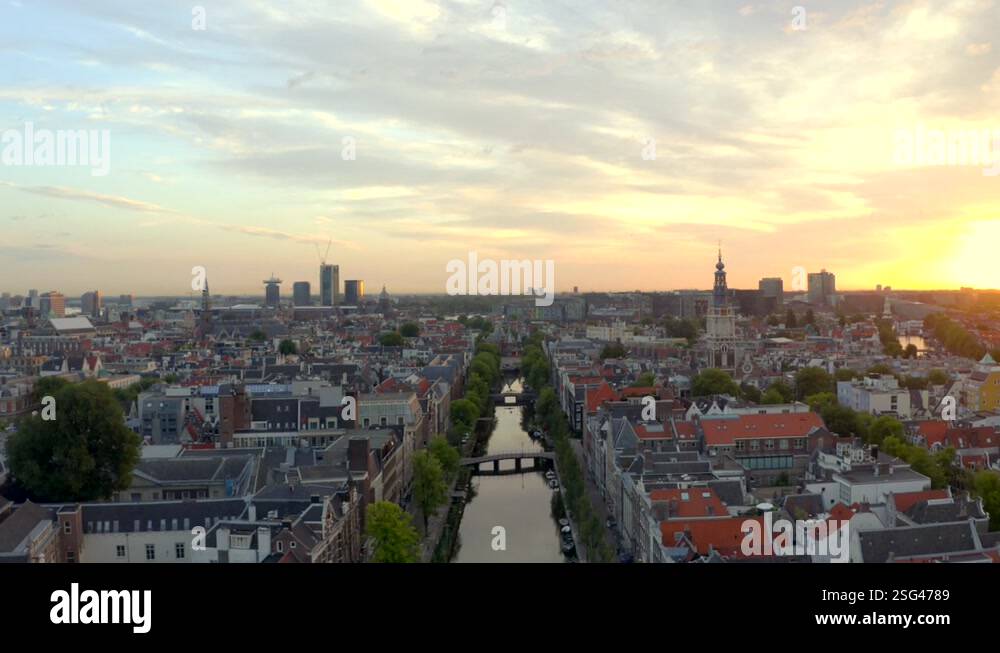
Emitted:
<point x="622" y="145"/>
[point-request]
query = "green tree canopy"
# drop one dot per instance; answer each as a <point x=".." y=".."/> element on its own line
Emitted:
<point x="613" y="350"/>
<point x="811" y="381"/>
<point x="429" y="488"/>
<point x="47" y="386"/>
<point x="86" y="453"/>
<point x="409" y="330"/>
<point x="714" y="382"/>
<point x="446" y="455"/>
<point x="885" y="426"/>
<point x="287" y="347"/>
<point x="938" y="377"/>
<point x="394" y="539"/>
<point x="645" y="380"/>
<point x="819" y="401"/>
<point x="391" y="339"/>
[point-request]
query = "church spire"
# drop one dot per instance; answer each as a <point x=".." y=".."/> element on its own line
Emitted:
<point x="720" y="292"/>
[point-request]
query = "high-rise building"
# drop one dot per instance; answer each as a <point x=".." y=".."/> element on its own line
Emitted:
<point x="301" y="293"/>
<point x="125" y="301"/>
<point x="272" y="292"/>
<point x="91" y="303"/>
<point x="32" y="300"/>
<point x="822" y="287"/>
<point x="354" y="292"/>
<point x="772" y="294"/>
<point x="720" y="324"/>
<point x="52" y="304"/>
<point x="329" y="284"/>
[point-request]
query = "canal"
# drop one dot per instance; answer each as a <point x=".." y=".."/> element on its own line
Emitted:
<point x="519" y="503"/>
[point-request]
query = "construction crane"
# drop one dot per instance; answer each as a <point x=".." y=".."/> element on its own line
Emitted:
<point x="322" y="259"/>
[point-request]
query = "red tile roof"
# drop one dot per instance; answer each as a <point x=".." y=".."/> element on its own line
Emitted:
<point x="906" y="500"/>
<point x="723" y="535"/>
<point x="693" y="502"/>
<point x="786" y="425"/>
<point x="598" y="396"/>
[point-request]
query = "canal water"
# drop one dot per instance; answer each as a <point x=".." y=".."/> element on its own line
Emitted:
<point x="519" y="503"/>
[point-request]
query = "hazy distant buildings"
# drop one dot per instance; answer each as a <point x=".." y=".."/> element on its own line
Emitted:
<point x="125" y="301"/>
<point x="91" y="303"/>
<point x="329" y="285"/>
<point x="301" y="293"/>
<point x="272" y="292"/>
<point x="822" y="287"/>
<point x="354" y="292"/>
<point x="52" y="304"/>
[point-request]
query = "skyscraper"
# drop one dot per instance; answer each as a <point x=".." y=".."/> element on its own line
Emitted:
<point x="272" y="292"/>
<point x="354" y="292"/>
<point x="52" y="304"/>
<point x="329" y="284"/>
<point x="301" y="292"/>
<point x="772" y="294"/>
<point x="90" y="303"/>
<point x="822" y="287"/>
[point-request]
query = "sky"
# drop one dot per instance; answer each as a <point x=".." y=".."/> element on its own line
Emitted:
<point x="622" y="139"/>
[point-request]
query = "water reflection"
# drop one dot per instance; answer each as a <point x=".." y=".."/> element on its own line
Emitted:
<point x="520" y="503"/>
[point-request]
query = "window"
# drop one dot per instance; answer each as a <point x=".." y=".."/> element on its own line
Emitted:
<point x="179" y="550"/>
<point x="280" y="546"/>
<point x="741" y="445"/>
<point x="769" y="444"/>
<point x="783" y="443"/>
<point x="67" y="529"/>
<point x="120" y="551"/>
<point x="150" y="552"/>
<point x="70" y="556"/>
<point x="754" y="445"/>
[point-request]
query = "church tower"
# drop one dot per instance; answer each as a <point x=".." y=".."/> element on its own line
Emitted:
<point x="720" y="324"/>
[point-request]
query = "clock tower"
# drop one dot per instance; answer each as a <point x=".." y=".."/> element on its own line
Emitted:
<point x="720" y="324"/>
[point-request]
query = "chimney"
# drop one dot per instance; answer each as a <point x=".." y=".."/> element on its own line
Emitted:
<point x="252" y="512"/>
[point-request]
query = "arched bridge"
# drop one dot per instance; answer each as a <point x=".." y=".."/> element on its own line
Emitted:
<point x="539" y="460"/>
<point x="520" y="398"/>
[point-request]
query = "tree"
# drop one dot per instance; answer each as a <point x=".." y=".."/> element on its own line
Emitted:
<point x="783" y="389"/>
<point x="910" y="351"/>
<point x="771" y="396"/>
<point x="986" y="484"/>
<point x="819" y="401"/>
<point x="464" y="413"/>
<point x="883" y="427"/>
<point x="47" y="386"/>
<point x="85" y="454"/>
<point x="391" y="339"/>
<point x="645" y="380"/>
<point x="811" y="381"/>
<point x="447" y="455"/>
<point x="845" y="374"/>
<point x="613" y="350"/>
<point x="810" y="317"/>
<point x="394" y="539"/>
<point x="258" y="335"/>
<point x="410" y="330"/>
<point x="714" y="382"/>
<point x="287" y="347"/>
<point x="750" y="392"/>
<point x="790" y="321"/>
<point x="841" y="420"/>
<point x="429" y="488"/>
<point x="938" y="377"/>
<point x="773" y="320"/>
